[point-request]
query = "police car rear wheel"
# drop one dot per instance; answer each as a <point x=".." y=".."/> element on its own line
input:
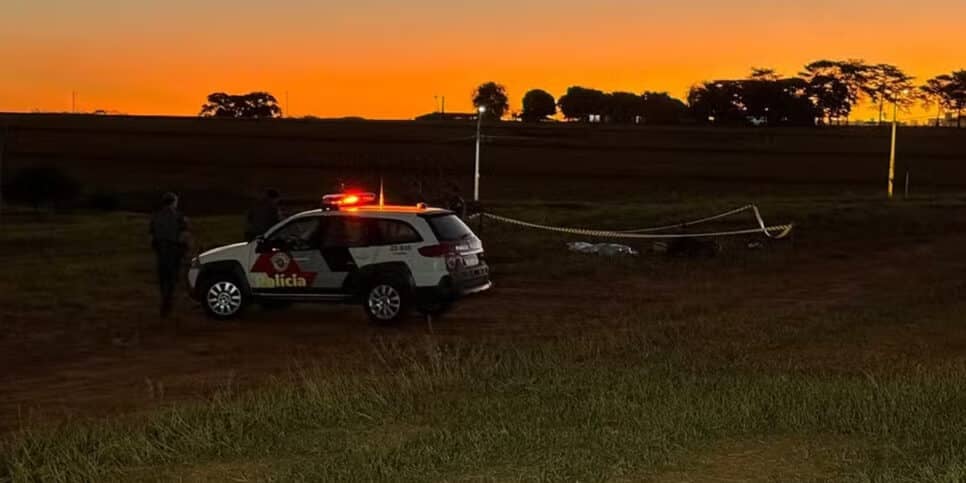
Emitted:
<point x="224" y="299"/>
<point x="385" y="302"/>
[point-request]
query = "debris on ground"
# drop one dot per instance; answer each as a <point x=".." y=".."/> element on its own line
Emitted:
<point x="605" y="249"/>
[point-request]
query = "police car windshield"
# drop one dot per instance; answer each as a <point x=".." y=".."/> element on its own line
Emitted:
<point x="449" y="228"/>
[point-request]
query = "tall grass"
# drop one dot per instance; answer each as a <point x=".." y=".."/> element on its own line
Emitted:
<point x="642" y="399"/>
<point x="597" y="408"/>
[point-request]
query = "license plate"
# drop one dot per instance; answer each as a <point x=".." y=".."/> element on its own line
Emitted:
<point x="471" y="260"/>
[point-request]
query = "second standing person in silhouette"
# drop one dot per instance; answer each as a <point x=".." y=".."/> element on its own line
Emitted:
<point x="264" y="214"/>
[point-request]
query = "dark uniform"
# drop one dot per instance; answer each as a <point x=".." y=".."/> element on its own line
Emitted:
<point x="263" y="215"/>
<point x="168" y="229"/>
<point x="457" y="205"/>
<point x="455" y="202"/>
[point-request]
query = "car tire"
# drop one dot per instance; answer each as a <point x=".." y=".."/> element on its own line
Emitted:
<point x="386" y="301"/>
<point x="223" y="297"/>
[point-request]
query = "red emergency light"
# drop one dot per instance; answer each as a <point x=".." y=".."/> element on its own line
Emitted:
<point x="340" y="200"/>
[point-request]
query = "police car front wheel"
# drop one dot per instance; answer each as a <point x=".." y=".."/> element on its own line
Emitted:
<point x="224" y="299"/>
<point x="385" y="302"/>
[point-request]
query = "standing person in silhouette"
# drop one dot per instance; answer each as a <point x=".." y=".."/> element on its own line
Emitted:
<point x="169" y="239"/>
<point x="455" y="202"/>
<point x="263" y="215"/>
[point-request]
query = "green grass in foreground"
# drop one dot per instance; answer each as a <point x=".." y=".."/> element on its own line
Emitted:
<point x="585" y="409"/>
<point x="603" y="406"/>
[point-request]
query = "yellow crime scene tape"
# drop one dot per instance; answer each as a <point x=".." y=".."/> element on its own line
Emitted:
<point x="775" y="232"/>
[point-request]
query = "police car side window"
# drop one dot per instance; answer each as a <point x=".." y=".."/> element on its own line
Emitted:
<point x="347" y="232"/>
<point x="395" y="232"/>
<point x="301" y="234"/>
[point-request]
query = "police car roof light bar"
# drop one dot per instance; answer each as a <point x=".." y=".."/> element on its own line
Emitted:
<point x="347" y="199"/>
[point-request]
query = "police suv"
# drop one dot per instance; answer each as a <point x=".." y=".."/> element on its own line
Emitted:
<point x="388" y="258"/>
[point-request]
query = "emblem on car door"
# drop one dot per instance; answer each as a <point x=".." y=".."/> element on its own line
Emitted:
<point x="281" y="261"/>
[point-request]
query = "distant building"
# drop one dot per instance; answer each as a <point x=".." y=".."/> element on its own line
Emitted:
<point x="448" y="116"/>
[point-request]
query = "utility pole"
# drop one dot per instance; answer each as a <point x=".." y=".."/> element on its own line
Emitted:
<point x="476" y="177"/>
<point x="892" y="150"/>
<point x="443" y="109"/>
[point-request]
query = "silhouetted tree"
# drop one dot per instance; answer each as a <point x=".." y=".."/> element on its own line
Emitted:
<point x="538" y="105"/>
<point x="957" y="95"/>
<point x="717" y="102"/>
<point x="949" y="92"/>
<point x="764" y="97"/>
<point x="887" y="83"/>
<point x="777" y="101"/>
<point x="660" y="108"/>
<point x="835" y="86"/>
<point x="623" y="107"/>
<point x="764" y="74"/>
<point x="831" y="96"/>
<point x="493" y="97"/>
<point x="795" y="107"/>
<point x="253" y="105"/>
<point x="580" y="103"/>
<point x="934" y="94"/>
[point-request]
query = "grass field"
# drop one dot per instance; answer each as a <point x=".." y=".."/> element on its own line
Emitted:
<point x="837" y="355"/>
<point x="218" y="164"/>
<point x="585" y="409"/>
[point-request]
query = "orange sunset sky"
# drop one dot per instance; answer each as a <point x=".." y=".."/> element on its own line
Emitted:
<point x="388" y="59"/>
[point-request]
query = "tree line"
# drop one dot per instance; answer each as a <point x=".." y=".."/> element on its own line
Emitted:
<point x="583" y="104"/>
<point x="824" y="93"/>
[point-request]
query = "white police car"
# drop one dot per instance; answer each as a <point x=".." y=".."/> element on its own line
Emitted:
<point x="388" y="258"/>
